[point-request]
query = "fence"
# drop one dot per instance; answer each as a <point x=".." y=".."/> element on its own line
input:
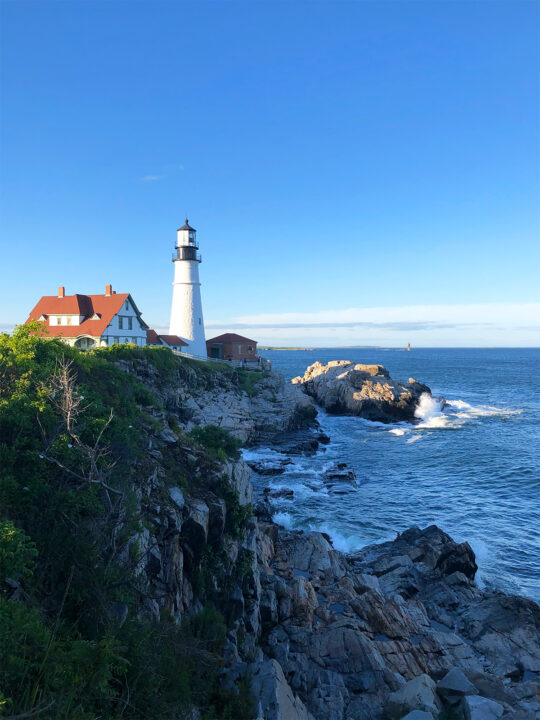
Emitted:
<point x="264" y="364"/>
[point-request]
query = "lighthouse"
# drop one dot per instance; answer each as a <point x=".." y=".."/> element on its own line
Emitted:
<point x="186" y="311"/>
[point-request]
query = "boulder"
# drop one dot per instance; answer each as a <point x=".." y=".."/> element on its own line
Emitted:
<point x="418" y="715"/>
<point x="273" y="694"/>
<point x="454" y="686"/>
<point x="177" y="496"/>
<point x="343" y="387"/>
<point x="340" y="472"/>
<point x="417" y="694"/>
<point x="476" y="707"/>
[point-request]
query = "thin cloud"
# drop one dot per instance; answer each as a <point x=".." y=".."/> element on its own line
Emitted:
<point x="430" y="325"/>
<point x="383" y="325"/>
<point x="152" y="178"/>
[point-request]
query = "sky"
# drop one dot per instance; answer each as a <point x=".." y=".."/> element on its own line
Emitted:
<point x="359" y="173"/>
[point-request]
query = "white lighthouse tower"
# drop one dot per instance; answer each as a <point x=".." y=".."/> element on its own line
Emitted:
<point x="186" y="311"/>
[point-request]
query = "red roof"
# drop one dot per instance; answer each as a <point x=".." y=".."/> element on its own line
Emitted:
<point x="172" y="340"/>
<point x="231" y="338"/>
<point x="152" y="338"/>
<point x="106" y="306"/>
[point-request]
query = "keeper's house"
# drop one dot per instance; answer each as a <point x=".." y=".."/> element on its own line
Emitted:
<point x="169" y="341"/>
<point x="88" y="321"/>
<point x="232" y="347"/>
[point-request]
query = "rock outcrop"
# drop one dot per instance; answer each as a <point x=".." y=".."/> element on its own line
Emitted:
<point x="199" y="394"/>
<point x="343" y="387"/>
<point x="396" y="628"/>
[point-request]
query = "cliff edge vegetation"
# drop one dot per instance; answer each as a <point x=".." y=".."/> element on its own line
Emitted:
<point x="94" y="474"/>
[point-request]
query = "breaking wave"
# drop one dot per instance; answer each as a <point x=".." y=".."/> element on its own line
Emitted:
<point x="438" y="413"/>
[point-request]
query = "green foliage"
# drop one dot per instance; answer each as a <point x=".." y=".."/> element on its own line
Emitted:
<point x="218" y="443"/>
<point x="17" y="553"/>
<point x="248" y="380"/>
<point x="238" y="516"/>
<point x="69" y="508"/>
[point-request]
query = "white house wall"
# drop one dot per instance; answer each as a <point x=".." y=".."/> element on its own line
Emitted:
<point x="113" y="333"/>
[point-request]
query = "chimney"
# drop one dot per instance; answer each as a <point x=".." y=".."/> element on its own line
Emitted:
<point x="61" y="291"/>
<point x="108" y="290"/>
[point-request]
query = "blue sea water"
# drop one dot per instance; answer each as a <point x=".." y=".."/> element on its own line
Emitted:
<point x="473" y="468"/>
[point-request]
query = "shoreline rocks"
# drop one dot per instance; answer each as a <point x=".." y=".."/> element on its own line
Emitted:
<point x="395" y="628"/>
<point x="345" y="388"/>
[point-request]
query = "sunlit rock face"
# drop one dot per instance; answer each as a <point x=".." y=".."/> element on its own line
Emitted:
<point x="346" y="388"/>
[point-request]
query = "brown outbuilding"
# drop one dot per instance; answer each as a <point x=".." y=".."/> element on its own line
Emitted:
<point x="232" y="347"/>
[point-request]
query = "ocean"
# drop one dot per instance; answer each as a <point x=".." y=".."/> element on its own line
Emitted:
<point x="472" y="468"/>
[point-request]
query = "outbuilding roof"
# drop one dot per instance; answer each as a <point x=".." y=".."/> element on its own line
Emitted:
<point x="152" y="338"/>
<point x="231" y="338"/>
<point x="97" y="311"/>
<point x="173" y="340"/>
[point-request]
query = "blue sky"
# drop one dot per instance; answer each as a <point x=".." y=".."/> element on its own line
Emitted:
<point x="358" y="172"/>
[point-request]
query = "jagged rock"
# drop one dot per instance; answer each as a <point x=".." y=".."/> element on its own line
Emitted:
<point x="279" y="493"/>
<point x="269" y="467"/>
<point x="239" y="474"/>
<point x="217" y="509"/>
<point x="195" y="531"/>
<point x="476" y="707"/>
<point x="418" y="715"/>
<point x="340" y="472"/>
<point x="417" y="694"/>
<point x="454" y="686"/>
<point x="343" y="387"/>
<point x="177" y="496"/>
<point x="273" y="695"/>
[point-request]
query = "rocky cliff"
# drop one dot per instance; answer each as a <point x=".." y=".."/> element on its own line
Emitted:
<point x="253" y="406"/>
<point x="343" y="387"/>
<point x="223" y="613"/>
<point x="395" y="628"/>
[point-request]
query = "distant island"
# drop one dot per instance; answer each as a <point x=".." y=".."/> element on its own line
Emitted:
<point x="286" y="348"/>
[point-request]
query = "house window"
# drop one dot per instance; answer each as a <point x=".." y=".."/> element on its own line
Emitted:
<point x="250" y="348"/>
<point x="68" y="320"/>
<point x="239" y="349"/>
<point x="58" y="320"/>
<point x="120" y="322"/>
<point x="130" y="323"/>
<point x="127" y="305"/>
<point x="116" y="339"/>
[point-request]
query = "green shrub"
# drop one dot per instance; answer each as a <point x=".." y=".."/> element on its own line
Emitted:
<point x="17" y="553"/>
<point x="218" y="443"/>
<point x="238" y="516"/>
<point x="248" y="380"/>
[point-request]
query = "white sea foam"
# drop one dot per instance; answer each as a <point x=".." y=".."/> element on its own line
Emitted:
<point x="397" y="431"/>
<point x="429" y="411"/>
<point x="343" y="543"/>
<point x="462" y="409"/>
<point x="284" y="519"/>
